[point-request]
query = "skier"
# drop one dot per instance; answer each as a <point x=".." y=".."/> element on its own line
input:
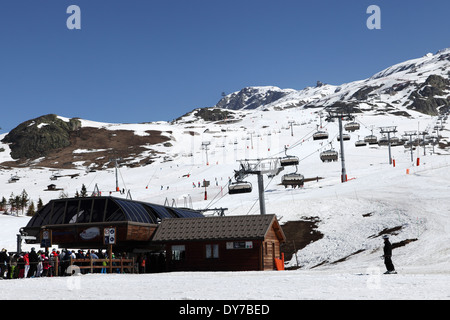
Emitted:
<point x="387" y="255"/>
<point x="4" y="259"/>
<point x="33" y="262"/>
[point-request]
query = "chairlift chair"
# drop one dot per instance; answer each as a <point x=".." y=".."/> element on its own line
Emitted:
<point x="293" y="179"/>
<point x="371" y="139"/>
<point x="239" y="187"/>
<point x="360" y="143"/>
<point x="395" y="141"/>
<point x="320" y="135"/>
<point x="352" y="126"/>
<point x="383" y="141"/>
<point x="329" y="155"/>
<point x="288" y="160"/>
<point x="345" y="137"/>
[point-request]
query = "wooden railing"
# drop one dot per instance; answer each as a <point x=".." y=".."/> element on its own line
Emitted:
<point x="111" y="264"/>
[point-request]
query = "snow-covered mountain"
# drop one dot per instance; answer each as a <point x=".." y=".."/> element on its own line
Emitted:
<point x="252" y="98"/>
<point x="407" y="201"/>
<point x="420" y="84"/>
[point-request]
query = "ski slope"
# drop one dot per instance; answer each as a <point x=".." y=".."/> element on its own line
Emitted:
<point x="351" y="215"/>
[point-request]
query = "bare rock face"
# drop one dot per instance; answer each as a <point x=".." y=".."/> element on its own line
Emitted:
<point x="37" y="137"/>
<point x="252" y="98"/>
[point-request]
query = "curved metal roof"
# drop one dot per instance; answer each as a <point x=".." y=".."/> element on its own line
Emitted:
<point x="105" y="209"/>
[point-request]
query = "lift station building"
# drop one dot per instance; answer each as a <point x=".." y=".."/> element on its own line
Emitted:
<point x="188" y="239"/>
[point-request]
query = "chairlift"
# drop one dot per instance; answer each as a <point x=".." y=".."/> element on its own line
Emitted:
<point x="345" y="137"/>
<point x="384" y="141"/>
<point x="396" y="141"/>
<point x="293" y="179"/>
<point x="360" y="143"/>
<point x="239" y="187"/>
<point x="371" y="139"/>
<point x="352" y="126"/>
<point x="320" y="135"/>
<point x="289" y="160"/>
<point x="329" y="155"/>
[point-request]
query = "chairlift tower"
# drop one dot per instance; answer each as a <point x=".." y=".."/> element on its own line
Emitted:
<point x="388" y="131"/>
<point x="340" y="114"/>
<point x="423" y="134"/>
<point x="411" y="134"/>
<point x="205" y="146"/>
<point x="258" y="168"/>
<point x="116" y="165"/>
<point x="291" y="124"/>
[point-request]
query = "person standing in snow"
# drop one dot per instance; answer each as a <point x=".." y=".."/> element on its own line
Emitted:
<point x="388" y="255"/>
<point x="33" y="262"/>
<point x="3" y="262"/>
<point x="26" y="262"/>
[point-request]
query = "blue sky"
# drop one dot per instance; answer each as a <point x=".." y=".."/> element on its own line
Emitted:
<point x="144" y="60"/>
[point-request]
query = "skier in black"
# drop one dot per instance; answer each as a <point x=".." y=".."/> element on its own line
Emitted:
<point x="34" y="260"/>
<point x="388" y="255"/>
<point x="4" y="259"/>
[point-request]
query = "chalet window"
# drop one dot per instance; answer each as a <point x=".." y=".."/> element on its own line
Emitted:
<point x="178" y="252"/>
<point x="212" y="251"/>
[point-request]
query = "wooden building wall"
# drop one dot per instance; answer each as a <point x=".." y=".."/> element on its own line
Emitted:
<point x="228" y="260"/>
<point x="259" y="257"/>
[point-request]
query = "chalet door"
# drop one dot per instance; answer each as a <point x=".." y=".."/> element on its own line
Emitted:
<point x="269" y="255"/>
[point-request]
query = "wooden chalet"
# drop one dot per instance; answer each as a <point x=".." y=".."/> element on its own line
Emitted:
<point x="230" y="243"/>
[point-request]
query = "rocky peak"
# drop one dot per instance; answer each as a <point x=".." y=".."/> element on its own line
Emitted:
<point x="252" y="98"/>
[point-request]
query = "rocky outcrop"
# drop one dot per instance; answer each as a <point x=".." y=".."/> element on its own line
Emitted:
<point x="431" y="96"/>
<point x="37" y="137"/>
<point x="252" y="98"/>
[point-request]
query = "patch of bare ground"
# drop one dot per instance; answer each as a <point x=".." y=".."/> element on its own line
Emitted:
<point x="298" y="235"/>
<point x="96" y="146"/>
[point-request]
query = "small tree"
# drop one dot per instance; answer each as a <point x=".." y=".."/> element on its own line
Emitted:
<point x="12" y="202"/>
<point x="31" y="210"/>
<point x="23" y="200"/>
<point x="83" y="193"/>
<point x="40" y="204"/>
<point x="3" y="204"/>
<point x="17" y="204"/>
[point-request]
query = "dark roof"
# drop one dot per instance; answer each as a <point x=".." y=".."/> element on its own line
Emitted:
<point x="217" y="228"/>
<point x="105" y="209"/>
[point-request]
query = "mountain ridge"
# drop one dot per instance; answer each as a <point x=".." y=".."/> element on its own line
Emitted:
<point x="392" y="85"/>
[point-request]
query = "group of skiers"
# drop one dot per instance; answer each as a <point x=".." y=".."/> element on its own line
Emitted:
<point x="26" y="264"/>
<point x="42" y="263"/>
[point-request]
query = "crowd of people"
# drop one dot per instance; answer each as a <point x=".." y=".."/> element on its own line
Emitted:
<point x="47" y="264"/>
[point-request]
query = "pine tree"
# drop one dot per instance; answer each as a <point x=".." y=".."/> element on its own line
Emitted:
<point x="40" y="204"/>
<point x="83" y="193"/>
<point x="3" y="204"/>
<point x="23" y="200"/>
<point x="17" y="202"/>
<point x="12" y="202"/>
<point x="31" y="211"/>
